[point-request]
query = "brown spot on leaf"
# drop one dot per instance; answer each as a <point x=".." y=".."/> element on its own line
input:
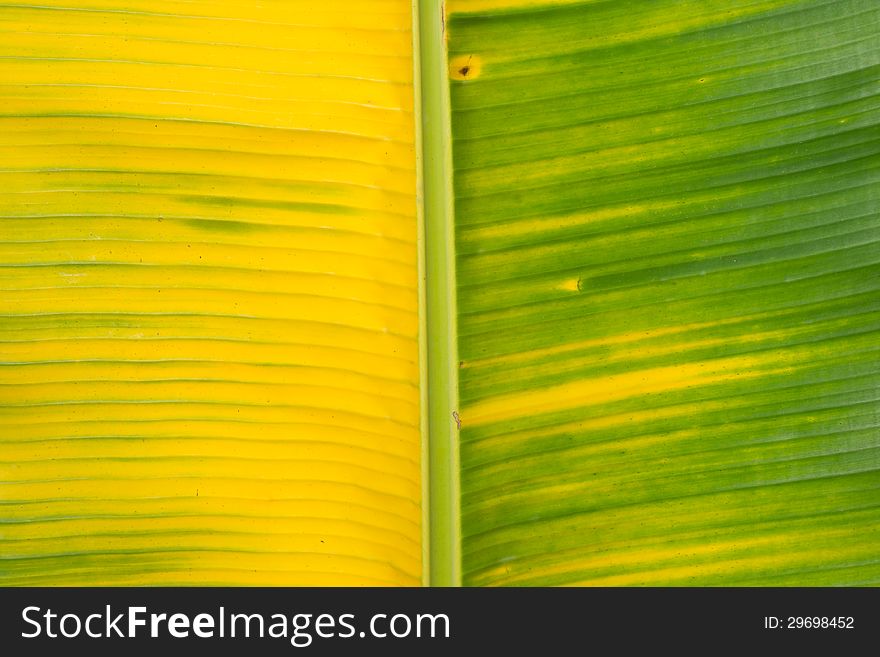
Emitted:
<point x="465" y="67"/>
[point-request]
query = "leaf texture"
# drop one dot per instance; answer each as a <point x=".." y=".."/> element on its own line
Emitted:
<point x="668" y="291"/>
<point x="208" y="274"/>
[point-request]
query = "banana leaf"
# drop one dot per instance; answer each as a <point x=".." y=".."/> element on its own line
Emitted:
<point x="483" y="292"/>
<point x="666" y="231"/>
<point x="209" y="294"/>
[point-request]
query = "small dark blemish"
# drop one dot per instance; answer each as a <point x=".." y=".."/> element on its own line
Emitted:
<point x="464" y="70"/>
